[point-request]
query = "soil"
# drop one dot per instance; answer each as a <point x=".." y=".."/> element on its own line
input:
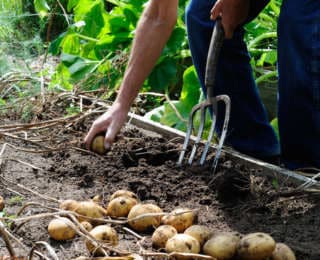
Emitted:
<point x="237" y="199"/>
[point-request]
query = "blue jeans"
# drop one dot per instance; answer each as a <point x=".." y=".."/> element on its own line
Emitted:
<point x="299" y="83"/>
<point x="249" y="129"/>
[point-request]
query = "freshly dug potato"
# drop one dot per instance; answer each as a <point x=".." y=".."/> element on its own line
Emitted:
<point x="222" y="245"/>
<point x="120" y="206"/>
<point x="124" y="193"/>
<point x="59" y="229"/>
<point x="144" y="223"/>
<point x="256" y="246"/>
<point x="98" y="199"/>
<point x="180" y="221"/>
<point x="1" y="203"/>
<point x="87" y="225"/>
<point x="103" y="233"/>
<point x="283" y="252"/>
<point x="89" y="209"/>
<point x="97" y="145"/>
<point x="183" y="243"/>
<point x="199" y="232"/>
<point x="161" y="235"/>
<point x="69" y="204"/>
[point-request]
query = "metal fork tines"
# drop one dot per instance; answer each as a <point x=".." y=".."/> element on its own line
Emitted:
<point x="202" y="108"/>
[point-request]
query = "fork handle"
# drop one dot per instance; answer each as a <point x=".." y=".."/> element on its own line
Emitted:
<point x="213" y="57"/>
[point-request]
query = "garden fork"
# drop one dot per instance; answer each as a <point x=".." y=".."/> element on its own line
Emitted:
<point x="210" y="103"/>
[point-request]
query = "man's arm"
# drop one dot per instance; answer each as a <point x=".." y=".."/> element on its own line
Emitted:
<point x="152" y="33"/>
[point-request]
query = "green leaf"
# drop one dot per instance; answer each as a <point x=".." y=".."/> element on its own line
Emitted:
<point x="54" y="47"/>
<point x="42" y="7"/>
<point x="77" y="66"/>
<point x="274" y="124"/>
<point x="71" y="44"/>
<point x="163" y="74"/>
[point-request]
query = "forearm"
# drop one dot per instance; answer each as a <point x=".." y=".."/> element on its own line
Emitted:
<point x="153" y="31"/>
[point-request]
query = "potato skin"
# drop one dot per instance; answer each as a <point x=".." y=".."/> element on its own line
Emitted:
<point x="1" y="203"/>
<point x="181" y="221"/>
<point x="256" y="246"/>
<point x="183" y="243"/>
<point x="59" y="229"/>
<point x="103" y="233"/>
<point x="145" y="223"/>
<point x="199" y="232"/>
<point x="222" y="245"/>
<point x="283" y="252"/>
<point x="124" y="193"/>
<point x="90" y="209"/>
<point x="161" y="235"/>
<point x="97" y="145"/>
<point x="69" y="204"/>
<point x="86" y="225"/>
<point x="120" y="206"/>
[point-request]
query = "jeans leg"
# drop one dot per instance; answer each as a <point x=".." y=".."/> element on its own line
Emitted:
<point x="249" y="129"/>
<point x="299" y="82"/>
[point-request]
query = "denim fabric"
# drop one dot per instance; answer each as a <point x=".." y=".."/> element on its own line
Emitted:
<point x="299" y="82"/>
<point x="249" y="129"/>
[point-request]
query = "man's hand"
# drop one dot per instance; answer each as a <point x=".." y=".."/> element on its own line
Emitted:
<point x="232" y="12"/>
<point x="110" y="122"/>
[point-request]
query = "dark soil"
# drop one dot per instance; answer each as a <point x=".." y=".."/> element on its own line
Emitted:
<point x="238" y="198"/>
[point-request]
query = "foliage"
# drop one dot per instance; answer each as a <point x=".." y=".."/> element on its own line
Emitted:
<point x="94" y="41"/>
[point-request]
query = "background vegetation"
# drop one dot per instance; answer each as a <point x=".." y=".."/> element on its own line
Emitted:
<point x="67" y="45"/>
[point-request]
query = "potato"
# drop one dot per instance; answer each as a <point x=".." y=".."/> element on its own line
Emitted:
<point x="120" y="206"/>
<point x="69" y="204"/>
<point x="1" y="203"/>
<point x="222" y="245"/>
<point x="89" y="209"/>
<point x="182" y="243"/>
<point x="87" y="225"/>
<point x="199" y="232"/>
<point x="283" y="252"/>
<point x="179" y="221"/>
<point x="256" y="246"/>
<point x="59" y="229"/>
<point x="161" y="235"/>
<point x="98" y="199"/>
<point x="124" y="193"/>
<point x="103" y="233"/>
<point x="144" y="223"/>
<point x="97" y="145"/>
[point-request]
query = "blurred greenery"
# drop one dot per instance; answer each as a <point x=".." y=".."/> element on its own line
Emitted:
<point x="92" y="39"/>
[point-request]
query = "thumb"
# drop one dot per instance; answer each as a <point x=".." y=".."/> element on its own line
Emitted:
<point x="110" y="136"/>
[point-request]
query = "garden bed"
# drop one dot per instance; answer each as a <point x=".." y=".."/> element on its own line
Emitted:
<point x="239" y="197"/>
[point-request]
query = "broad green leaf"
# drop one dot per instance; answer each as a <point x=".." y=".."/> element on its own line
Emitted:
<point x="41" y="7"/>
<point x="163" y="74"/>
<point x="176" y="40"/>
<point x="54" y="47"/>
<point x="71" y="44"/>
<point x="77" y="66"/>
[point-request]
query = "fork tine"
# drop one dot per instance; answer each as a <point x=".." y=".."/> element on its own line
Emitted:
<point x="227" y="102"/>
<point x="200" y="132"/>
<point x="188" y="133"/>
<point x="211" y="134"/>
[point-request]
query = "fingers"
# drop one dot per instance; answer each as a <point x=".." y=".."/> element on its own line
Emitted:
<point x="216" y="11"/>
<point x="94" y="130"/>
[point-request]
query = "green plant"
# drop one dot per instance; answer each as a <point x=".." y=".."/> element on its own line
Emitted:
<point x="15" y="200"/>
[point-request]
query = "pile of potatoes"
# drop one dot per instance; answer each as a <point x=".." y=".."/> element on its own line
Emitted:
<point x="89" y="214"/>
<point x="174" y="232"/>
<point x="198" y="239"/>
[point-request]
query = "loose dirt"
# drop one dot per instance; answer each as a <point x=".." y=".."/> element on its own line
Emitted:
<point x="237" y="199"/>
